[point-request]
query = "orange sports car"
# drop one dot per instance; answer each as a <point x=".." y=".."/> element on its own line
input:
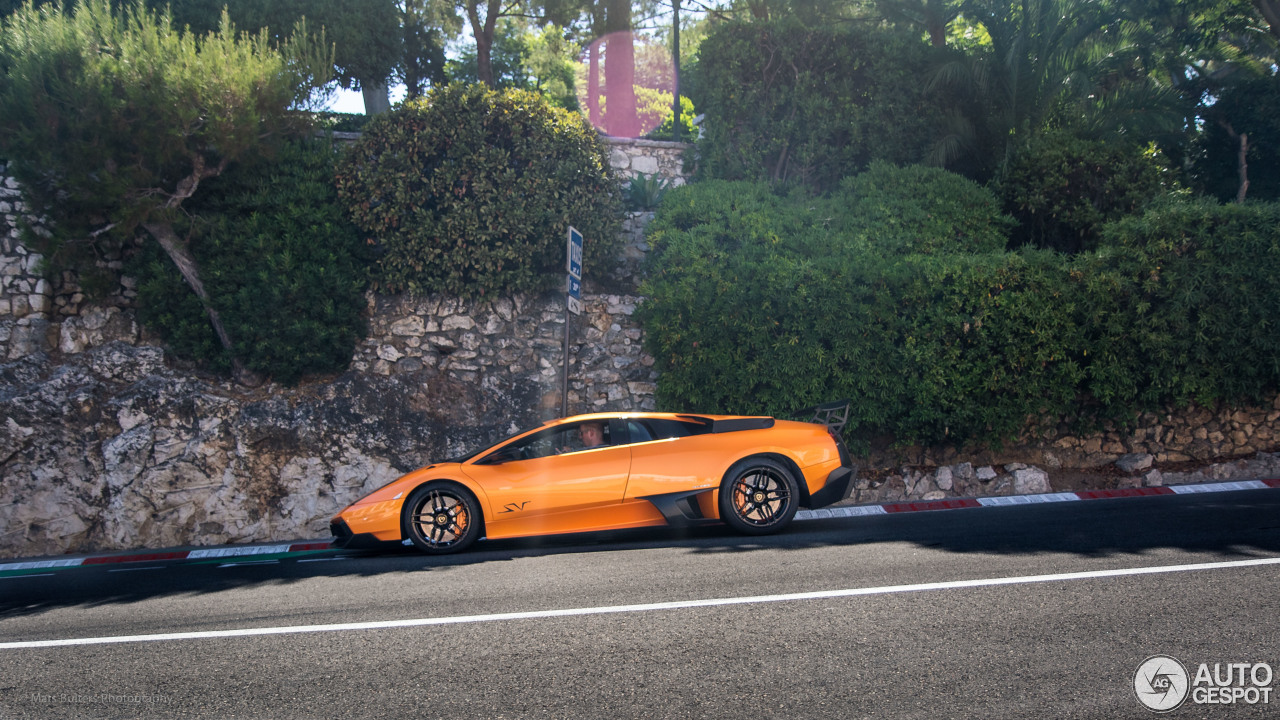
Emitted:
<point x="609" y="471"/>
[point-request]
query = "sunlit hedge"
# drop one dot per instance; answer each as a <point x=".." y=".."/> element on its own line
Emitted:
<point x="767" y="303"/>
<point x="471" y="191"/>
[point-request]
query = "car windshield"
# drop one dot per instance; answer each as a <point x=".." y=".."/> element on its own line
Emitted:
<point x="486" y="448"/>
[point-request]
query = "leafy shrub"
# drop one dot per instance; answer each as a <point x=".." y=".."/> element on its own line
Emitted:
<point x="1189" y="305"/>
<point x="282" y="265"/>
<point x="761" y="302"/>
<point x="921" y="209"/>
<point x="471" y="191"/>
<point x="790" y="103"/>
<point x="1062" y="188"/>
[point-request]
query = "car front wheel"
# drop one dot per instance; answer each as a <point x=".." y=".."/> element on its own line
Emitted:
<point x="440" y="518"/>
<point x="758" y="496"/>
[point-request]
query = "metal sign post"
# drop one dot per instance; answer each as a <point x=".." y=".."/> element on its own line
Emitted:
<point x="573" y="305"/>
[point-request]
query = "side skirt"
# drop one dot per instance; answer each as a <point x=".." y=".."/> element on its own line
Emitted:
<point x="681" y="509"/>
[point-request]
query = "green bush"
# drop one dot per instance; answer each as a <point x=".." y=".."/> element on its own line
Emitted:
<point x="920" y="209"/>
<point x="1062" y="188"/>
<point x="1189" y="305"/>
<point x="761" y="302"/>
<point x="282" y="265"/>
<point x="471" y="192"/>
<point x="811" y="105"/>
<point x="767" y="302"/>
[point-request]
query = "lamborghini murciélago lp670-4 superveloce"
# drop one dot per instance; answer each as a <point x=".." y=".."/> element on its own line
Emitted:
<point x="609" y="471"/>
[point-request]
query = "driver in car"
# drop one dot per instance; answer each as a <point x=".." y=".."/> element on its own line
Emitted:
<point x="591" y="434"/>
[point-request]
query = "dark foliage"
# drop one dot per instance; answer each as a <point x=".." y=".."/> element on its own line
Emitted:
<point x="284" y="268"/>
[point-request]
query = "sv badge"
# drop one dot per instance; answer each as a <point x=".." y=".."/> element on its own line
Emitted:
<point x="513" y="507"/>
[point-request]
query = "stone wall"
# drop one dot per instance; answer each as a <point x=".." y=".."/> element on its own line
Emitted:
<point x="25" y="296"/>
<point x="38" y="314"/>
<point x="111" y="447"/>
<point x="107" y="444"/>
<point x="649" y="157"/>
<point x="515" y="343"/>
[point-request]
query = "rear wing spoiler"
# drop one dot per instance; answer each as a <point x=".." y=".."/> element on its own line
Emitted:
<point x="835" y="414"/>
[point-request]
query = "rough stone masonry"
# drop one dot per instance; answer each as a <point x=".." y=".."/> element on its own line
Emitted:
<point x="106" y="444"/>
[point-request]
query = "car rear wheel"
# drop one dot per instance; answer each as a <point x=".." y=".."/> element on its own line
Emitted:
<point x="758" y="496"/>
<point x="440" y="518"/>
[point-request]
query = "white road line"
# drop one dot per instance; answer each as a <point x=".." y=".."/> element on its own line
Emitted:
<point x="157" y="567"/>
<point x="15" y="577"/>
<point x="650" y="607"/>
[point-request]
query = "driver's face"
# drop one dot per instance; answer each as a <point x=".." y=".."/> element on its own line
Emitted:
<point x="591" y="435"/>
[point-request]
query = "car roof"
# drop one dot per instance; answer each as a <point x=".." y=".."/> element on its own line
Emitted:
<point x="643" y="414"/>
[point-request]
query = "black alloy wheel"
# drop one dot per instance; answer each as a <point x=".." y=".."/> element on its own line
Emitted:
<point x="758" y="496"/>
<point x="442" y="517"/>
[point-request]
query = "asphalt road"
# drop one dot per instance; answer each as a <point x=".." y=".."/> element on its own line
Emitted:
<point x="985" y="613"/>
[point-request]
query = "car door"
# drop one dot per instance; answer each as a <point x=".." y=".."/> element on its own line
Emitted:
<point x="670" y="456"/>
<point x="548" y="482"/>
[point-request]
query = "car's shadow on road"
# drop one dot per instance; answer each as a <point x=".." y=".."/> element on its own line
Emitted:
<point x="1232" y="525"/>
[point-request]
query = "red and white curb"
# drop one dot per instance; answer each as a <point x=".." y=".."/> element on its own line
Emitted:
<point x="1004" y="501"/>
<point x="825" y="513"/>
<point x="199" y="554"/>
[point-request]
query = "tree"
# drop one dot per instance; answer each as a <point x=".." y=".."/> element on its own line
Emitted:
<point x="932" y="15"/>
<point x="1270" y="11"/>
<point x="1239" y="155"/>
<point x="1049" y="63"/>
<point x="424" y="24"/>
<point x="365" y="35"/>
<point x="113" y="119"/>
<point x="508" y="60"/>
<point x="526" y="58"/>
<point x="790" y="103"/>
<point x="483" y="16"/>
<point x="269" y="233"/>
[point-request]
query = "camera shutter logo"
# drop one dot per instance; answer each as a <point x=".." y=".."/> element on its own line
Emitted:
<point x="1161" y="683"/>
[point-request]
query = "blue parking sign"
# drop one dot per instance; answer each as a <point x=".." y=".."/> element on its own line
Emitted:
<point x="575" y="253"/>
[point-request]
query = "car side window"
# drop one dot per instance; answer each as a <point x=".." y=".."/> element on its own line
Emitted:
<point x="638" y="432"/>
<point x="554" y="441"/>
<point x="663" y="429"/>
<point x="585" y="436"/>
